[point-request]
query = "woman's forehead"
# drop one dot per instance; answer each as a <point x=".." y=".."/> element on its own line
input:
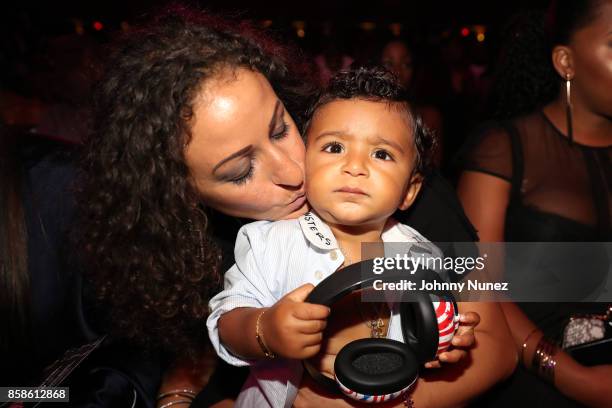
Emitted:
<point x="599" y="26"/>
<point x="232" y="91"/>
<point x="233" y="111"/>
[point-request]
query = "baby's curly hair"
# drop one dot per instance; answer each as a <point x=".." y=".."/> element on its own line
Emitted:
<point x="142" y="223"/>
<point x="377" y="84"/>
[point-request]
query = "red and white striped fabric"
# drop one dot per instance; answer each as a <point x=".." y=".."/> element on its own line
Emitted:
<point x="373" y="399"/>
<point x="448" y="323"/>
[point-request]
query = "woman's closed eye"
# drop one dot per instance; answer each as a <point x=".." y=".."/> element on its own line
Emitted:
<point x="333" y="147"/>
<point x="282" y="132"/>
<point x="244" y="175"/>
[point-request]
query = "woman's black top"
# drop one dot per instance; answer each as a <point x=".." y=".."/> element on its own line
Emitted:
<point x="560" y="192"/>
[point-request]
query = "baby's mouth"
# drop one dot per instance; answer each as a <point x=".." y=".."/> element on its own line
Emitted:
<point x="351" y="190"/>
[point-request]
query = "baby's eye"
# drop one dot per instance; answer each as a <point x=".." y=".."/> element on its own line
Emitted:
<point x="382" y="155"/>
<point x="333" y="147"/>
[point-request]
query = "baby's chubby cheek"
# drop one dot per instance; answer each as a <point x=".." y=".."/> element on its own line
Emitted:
<point x="317" y="192"/>
<point x="312" y="184"/>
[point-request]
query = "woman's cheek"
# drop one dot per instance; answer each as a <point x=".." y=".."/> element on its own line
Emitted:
<point x="295" y="146"/>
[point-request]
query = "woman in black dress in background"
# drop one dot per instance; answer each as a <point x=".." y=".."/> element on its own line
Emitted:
<point x="546" y="176"/>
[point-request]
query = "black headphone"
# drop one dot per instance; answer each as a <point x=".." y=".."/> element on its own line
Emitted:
<point x="379" y="369"/>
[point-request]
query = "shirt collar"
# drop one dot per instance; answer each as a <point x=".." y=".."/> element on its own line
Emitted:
<point x="396" y="232"/>
<point x="317" y="232"/>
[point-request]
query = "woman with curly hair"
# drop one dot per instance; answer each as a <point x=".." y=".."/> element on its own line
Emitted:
<point x="541" y="173"/>
<point x="195" y="133"/>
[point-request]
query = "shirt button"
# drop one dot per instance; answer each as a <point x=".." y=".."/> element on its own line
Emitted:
<point x="319" y="275"/>
<point x="333" y="255"/>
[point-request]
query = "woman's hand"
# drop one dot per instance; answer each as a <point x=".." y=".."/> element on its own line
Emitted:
<point x="592" y="387"/>
<point x="186" y="375"/>
<point x="310" y="395"/>
<point x="462" y="341"/>
<point x="599" y="379"/>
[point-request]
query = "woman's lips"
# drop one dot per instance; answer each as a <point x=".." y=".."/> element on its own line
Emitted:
<point x="351" y="190"/>
<point x="295" y="208"/>
<point x="298" y="201"/>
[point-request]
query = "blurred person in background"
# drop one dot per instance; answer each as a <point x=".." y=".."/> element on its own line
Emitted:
<point x="542" y="173"/>
<point x="399" y="58"/>
<point x="46" y="302"/>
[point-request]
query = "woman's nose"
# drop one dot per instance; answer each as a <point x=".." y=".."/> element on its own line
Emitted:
<point x="286" y="171"/>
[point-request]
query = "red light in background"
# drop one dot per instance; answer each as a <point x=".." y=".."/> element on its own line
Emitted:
<point x="465" y="31"/>
<point x="98" y="25"/>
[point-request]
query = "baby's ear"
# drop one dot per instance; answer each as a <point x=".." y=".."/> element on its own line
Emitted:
<point x="412" y="191"/>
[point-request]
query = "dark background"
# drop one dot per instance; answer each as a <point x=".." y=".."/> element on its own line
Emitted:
<point x="51" y="53"/>
<point x="418" y="12"/>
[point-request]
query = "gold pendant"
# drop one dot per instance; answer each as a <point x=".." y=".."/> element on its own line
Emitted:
<point x="377" y="328"/>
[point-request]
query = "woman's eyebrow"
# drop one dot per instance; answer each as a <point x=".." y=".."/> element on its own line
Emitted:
<point x="277" y="108"/>
<point x="242" y="152"/>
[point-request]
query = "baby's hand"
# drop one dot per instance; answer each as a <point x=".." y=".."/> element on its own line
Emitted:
<point x="293" y="328"/>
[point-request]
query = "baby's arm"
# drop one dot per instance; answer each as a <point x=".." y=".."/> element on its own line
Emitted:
<point x="291" y="328"/>
<point x="288" y="327"/>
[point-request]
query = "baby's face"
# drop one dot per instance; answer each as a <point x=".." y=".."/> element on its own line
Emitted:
<point x="359" y="159"/>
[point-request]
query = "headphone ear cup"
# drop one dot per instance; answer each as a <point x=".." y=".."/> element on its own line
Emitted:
<point x="378" y="369"/>
<point x="420" y="327"/>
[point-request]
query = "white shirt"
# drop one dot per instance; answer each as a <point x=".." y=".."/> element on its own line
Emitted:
<point x="272" y="259"/>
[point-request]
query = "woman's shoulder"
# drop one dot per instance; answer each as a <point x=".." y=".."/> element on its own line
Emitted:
<point x="501" y="130"/>
<point x="489" y="149"/>
<point x="497" y="138"/>
<point x="492" y="133"/>
<point x="531" y="123"/>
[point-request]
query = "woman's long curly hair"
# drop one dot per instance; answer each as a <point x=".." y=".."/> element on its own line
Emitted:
<point x="142" y="223"/>
<point x="526" y="78"/>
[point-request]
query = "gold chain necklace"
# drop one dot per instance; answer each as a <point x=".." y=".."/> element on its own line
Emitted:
<point x="376" y="324"/>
